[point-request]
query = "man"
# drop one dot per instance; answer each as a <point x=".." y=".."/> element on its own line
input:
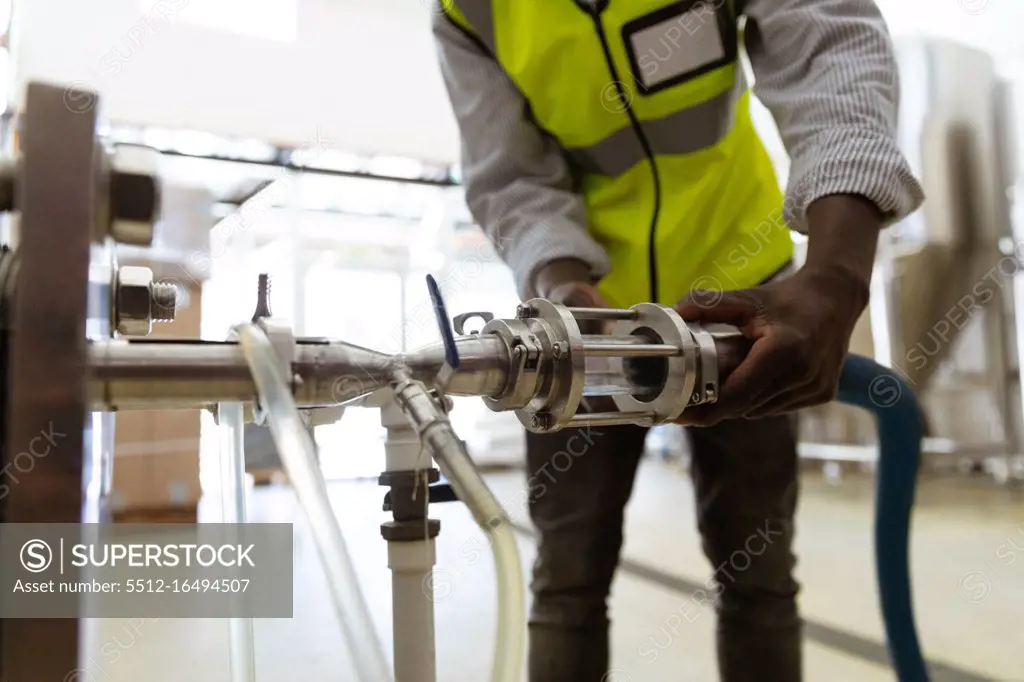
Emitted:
<point x="608" y="151"/>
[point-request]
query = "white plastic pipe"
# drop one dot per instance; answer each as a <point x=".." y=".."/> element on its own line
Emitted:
<point x="412" y="610"/>
<point x="437" y="434"/>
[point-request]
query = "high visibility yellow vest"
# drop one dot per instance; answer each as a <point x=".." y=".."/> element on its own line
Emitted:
<point x="650" y="104"/>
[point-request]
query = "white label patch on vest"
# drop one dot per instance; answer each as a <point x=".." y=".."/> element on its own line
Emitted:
<point x="677" y="43"/>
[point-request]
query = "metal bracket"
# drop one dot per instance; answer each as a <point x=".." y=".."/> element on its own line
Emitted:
<point x="706" y="390"/>
<point x="459" y="321"/>
<point x="47" y="370"/>
<point x="526" y="352"/>
<point x="281" y="337"/>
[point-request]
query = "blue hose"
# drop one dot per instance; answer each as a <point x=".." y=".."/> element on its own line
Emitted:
<point x="867" y="384"/>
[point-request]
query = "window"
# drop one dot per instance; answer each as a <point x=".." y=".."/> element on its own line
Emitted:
<point x="267" y="19"/>
<point x="5" y="16"/>
<point x="363" y="307"/>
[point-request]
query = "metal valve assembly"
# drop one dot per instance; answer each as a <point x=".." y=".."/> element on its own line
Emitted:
<point x="651" y="363"/>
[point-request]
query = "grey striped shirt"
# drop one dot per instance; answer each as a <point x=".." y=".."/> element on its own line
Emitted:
<point x="825" y="69"/>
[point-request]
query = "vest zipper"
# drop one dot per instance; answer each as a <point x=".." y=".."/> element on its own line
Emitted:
<point x="594" y="10"/>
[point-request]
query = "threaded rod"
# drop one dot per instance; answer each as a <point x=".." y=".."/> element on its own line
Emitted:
<point x="602" y="314"/>
<point x="612" y="419"/>
<point x="163" y="301"/>
<point x="646" y="350"/>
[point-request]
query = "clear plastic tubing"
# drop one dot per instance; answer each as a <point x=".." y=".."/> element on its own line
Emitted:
<point x="605" y="376"/>
<point x="231" y="423"/>
<point x="299" y="458"/>
<point x="455" y="463"/>
<point x="508" y="655"/>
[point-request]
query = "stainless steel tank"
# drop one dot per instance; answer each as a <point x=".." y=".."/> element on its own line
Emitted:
<point x="944" y="309"/>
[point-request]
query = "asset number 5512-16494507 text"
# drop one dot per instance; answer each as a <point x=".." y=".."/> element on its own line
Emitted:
<point x="194" y="585"/>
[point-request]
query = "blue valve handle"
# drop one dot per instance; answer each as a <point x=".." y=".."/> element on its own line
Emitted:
<point x="444" y="323"/>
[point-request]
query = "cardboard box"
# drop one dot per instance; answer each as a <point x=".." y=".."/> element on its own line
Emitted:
<point x="156" y="460"/>
<point x="156" y="453"/>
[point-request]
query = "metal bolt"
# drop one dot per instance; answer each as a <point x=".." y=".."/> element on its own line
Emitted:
<point x="540" y="421"/>
<point x="557" y="351"/>
<point x="164" y="299"/>
<point x="525" y="311"/>
<point x="135" y="194"/>
<point x="695" y="398"/>
<point x="262" y="299"/>
<point x="139" y="302"/>
<point x="517" y="352"/>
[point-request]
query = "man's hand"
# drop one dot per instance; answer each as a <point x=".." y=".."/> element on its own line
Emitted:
<point x="577" y="295"/>
<point x="800" y="326"/>
<point x="568" y="282"/>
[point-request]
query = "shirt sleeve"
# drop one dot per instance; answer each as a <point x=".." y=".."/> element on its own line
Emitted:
<point x="519" y="187"/>
<point x="826" y="70"/>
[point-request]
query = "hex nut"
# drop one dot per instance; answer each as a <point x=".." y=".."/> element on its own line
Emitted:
<point x="134" y="301"/>
<point x="135" y="194"/>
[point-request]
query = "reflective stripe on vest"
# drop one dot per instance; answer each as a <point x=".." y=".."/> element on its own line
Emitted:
<point x="650" y="105"/>
<point x="705" y="124"/>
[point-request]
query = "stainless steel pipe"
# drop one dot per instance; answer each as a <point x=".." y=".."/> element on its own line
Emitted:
<point x="187" y="374"/>
<point x="171" y="374"/>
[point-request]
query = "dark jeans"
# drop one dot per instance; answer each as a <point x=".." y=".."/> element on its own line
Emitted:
<point x="745" y="476"/>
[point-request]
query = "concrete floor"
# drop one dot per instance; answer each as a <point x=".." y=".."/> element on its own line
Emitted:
<point x="968" y="563"/>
